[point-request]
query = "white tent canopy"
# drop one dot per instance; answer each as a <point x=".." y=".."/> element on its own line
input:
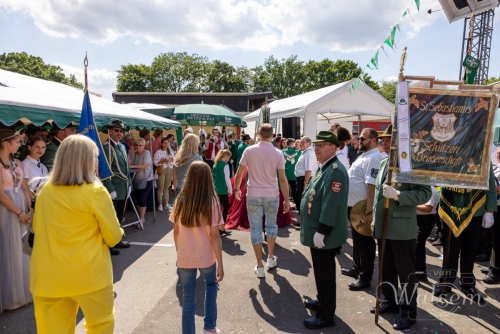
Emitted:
<point x="330" y="103"/>
<point x="40" y="100"/>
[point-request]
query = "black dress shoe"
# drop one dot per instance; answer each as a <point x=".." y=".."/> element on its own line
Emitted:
<point x="311" y="304"/>
<point x="437" y="289"/>
<point x="386" y="307"/>
<point x="316" y="323"/>
<point x="422" y="277"/>
<point x="122" y="244"/>
<point x="472" y="294"/>
<point x="114" y="251"/>
<point x="482" y="258"/>
<point x="491" y="278"/>
<point x="351" y="272"/>
<point x="359" y="285"/>
<point x="403" y="323"/>
<point x="485" y="271"/>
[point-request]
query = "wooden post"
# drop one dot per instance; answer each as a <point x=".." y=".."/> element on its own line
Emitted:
<point x="391" y="166"/>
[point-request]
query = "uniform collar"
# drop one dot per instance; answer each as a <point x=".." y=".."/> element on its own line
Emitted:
<point x="30" y="159"/>
<point x="327" y="163"/>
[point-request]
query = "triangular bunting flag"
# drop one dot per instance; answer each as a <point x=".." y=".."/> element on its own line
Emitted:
<point x="408" y="10"/>
<point x="350" y="91"/>
<point x="374" y="60"/>
<point x="382" y="47"/>
<point x="388" y="42"/>
<point x="357" y="83"/>
<point x="417" y="2"/>
<point x="393" y="35"/>
<point x="397" y="26"/>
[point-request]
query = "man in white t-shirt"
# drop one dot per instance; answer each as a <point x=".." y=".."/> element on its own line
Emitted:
<point x="362" y="177"/>
<point x="306" y="166"/>
<point x="264" y="161"/>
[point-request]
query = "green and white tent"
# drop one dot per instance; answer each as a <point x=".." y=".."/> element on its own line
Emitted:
<point x="31" y="100"/>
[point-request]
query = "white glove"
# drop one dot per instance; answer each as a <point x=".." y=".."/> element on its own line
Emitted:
<point x="488" y="220"/>
<point x="390" y="192"/>
<point x="113" y="195"/>
<point x="318" y="240"/>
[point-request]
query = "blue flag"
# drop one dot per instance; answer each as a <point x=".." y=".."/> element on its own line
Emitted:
<point x="89" y="129"/>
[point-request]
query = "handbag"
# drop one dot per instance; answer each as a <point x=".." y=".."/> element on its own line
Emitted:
<point x="159" y="169"/>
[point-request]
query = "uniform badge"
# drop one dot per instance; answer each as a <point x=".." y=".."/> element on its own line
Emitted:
<point x="374" y="173"/>
<point x="311" y="199"/>
<point x="336" y="187"/>
<point x="334" y="165"/>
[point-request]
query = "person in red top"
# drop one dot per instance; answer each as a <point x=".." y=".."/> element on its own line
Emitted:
<point x="196" y="216"/>
<point x="213" y="146"/>
<point x="158" y="134"/>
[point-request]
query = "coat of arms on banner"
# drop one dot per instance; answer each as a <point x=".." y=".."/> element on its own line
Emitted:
<point x="444" y="127"/>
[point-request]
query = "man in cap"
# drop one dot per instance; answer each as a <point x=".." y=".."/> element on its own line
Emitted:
<point x="58" y="135"/>
<point x="118" y="185"/>
<point x="362" y="176"/>
<point x="323" y="226"/>
<point x="400" y="245"/>
<point x="386" y="140"/>
<point x="241" y="148"/>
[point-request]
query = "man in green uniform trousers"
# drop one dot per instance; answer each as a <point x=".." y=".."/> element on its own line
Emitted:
<point x="234" y="153"/>
<point x="118" y="185"/>
<point x="241" y="148"/>
<point x="324" y="226"/>
<point x="400" y="245"/>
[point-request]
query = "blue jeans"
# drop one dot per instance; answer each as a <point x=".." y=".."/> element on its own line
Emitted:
<point x="188" y="278"/>
<point x="258" y="207"/>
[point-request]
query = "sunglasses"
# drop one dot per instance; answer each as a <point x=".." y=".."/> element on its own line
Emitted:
<point x="118" y="130"/>
<point x="363" y="138"/>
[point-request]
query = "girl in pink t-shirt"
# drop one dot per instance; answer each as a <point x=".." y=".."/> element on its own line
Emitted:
<point x="196" y="216"/>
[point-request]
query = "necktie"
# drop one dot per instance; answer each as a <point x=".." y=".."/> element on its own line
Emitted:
<point x="38" y="164"/>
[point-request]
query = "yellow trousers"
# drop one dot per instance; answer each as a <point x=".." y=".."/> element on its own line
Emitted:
<point x="58" y="315"/>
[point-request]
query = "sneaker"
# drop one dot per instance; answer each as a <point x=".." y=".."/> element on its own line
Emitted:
<point x="168" y="206"/>
<point x="160" y="207"/>
<point x="272" y="262"/>
<point x="259" y="271"/>
<point x="212" y="331"/>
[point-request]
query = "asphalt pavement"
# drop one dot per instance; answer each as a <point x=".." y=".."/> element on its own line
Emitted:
<point x="148" y="292"/>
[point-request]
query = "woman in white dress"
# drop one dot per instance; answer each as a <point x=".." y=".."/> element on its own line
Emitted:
<point x="32" y="166"/>
<point x="14" y="215"/>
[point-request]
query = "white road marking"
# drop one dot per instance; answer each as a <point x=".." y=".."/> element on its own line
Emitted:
<point x="150" y="244"/>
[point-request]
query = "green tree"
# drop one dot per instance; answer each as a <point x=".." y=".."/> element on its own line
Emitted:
<point x="388" y="90"/>
<point x="134" y="78"/>
<point x="223" y="77"/>
<point x="179" y="72"/>
<point x="326" y="73"/>
<point x="492" y="80"/>
<point x="21" y="62"/>
<point x="283" y="77"/>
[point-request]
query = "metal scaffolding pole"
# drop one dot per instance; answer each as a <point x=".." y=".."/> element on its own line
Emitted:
<point x="477" y="43"/>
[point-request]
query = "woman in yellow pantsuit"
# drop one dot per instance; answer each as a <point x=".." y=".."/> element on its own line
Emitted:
<point x="74" y="225"/>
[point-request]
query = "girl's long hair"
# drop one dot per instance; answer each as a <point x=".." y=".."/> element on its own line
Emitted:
<point x="188" y="148"/>
<point x="220" y="155"/>
<point x="168" y="147"/>
<point x="193" y="206"/>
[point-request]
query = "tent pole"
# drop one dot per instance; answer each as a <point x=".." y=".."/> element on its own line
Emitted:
<point x="359" y="125"/>
<point x="154" y="181"/>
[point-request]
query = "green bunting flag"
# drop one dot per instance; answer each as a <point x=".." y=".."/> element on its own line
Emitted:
<point x="374" y="60"/>
<point x="357" y="83"/>
<point x="417" y="2"/>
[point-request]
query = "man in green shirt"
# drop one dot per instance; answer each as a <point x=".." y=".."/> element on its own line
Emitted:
<point x="234" y="153"/>
<point x="243" y="146"/>
<point x="291" y="158"/>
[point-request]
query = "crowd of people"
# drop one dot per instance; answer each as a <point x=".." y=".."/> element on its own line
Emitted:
<point x="220" y="182"/>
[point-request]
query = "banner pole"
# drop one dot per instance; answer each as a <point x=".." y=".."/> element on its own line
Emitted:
<point x="391" y="166"/>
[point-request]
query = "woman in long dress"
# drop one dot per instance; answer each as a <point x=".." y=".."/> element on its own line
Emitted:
<point x="14" y="215"/>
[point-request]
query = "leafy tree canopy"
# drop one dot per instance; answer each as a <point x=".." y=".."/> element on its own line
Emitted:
<point x="21" y="62"/>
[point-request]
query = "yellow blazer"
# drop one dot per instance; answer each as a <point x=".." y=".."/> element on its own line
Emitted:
<point x="73" y="226"/>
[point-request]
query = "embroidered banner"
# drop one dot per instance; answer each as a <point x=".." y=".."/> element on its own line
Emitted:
<point x="450" y="137"/>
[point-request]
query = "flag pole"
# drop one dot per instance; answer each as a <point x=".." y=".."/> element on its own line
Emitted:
<point x="391" y="168"/>
<point x="86" y="64"/>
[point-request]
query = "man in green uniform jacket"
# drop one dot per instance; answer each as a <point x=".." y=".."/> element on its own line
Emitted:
<point x="118" y="185"/>
<point x="234" y="154"/>
<point x="58" y="135"/>
<point x="324" y="226"/>
<point x="401" y="243"/>
<point x="241" y="148"/>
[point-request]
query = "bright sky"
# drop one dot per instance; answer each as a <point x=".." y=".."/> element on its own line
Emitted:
<point x="242" y="33"/>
